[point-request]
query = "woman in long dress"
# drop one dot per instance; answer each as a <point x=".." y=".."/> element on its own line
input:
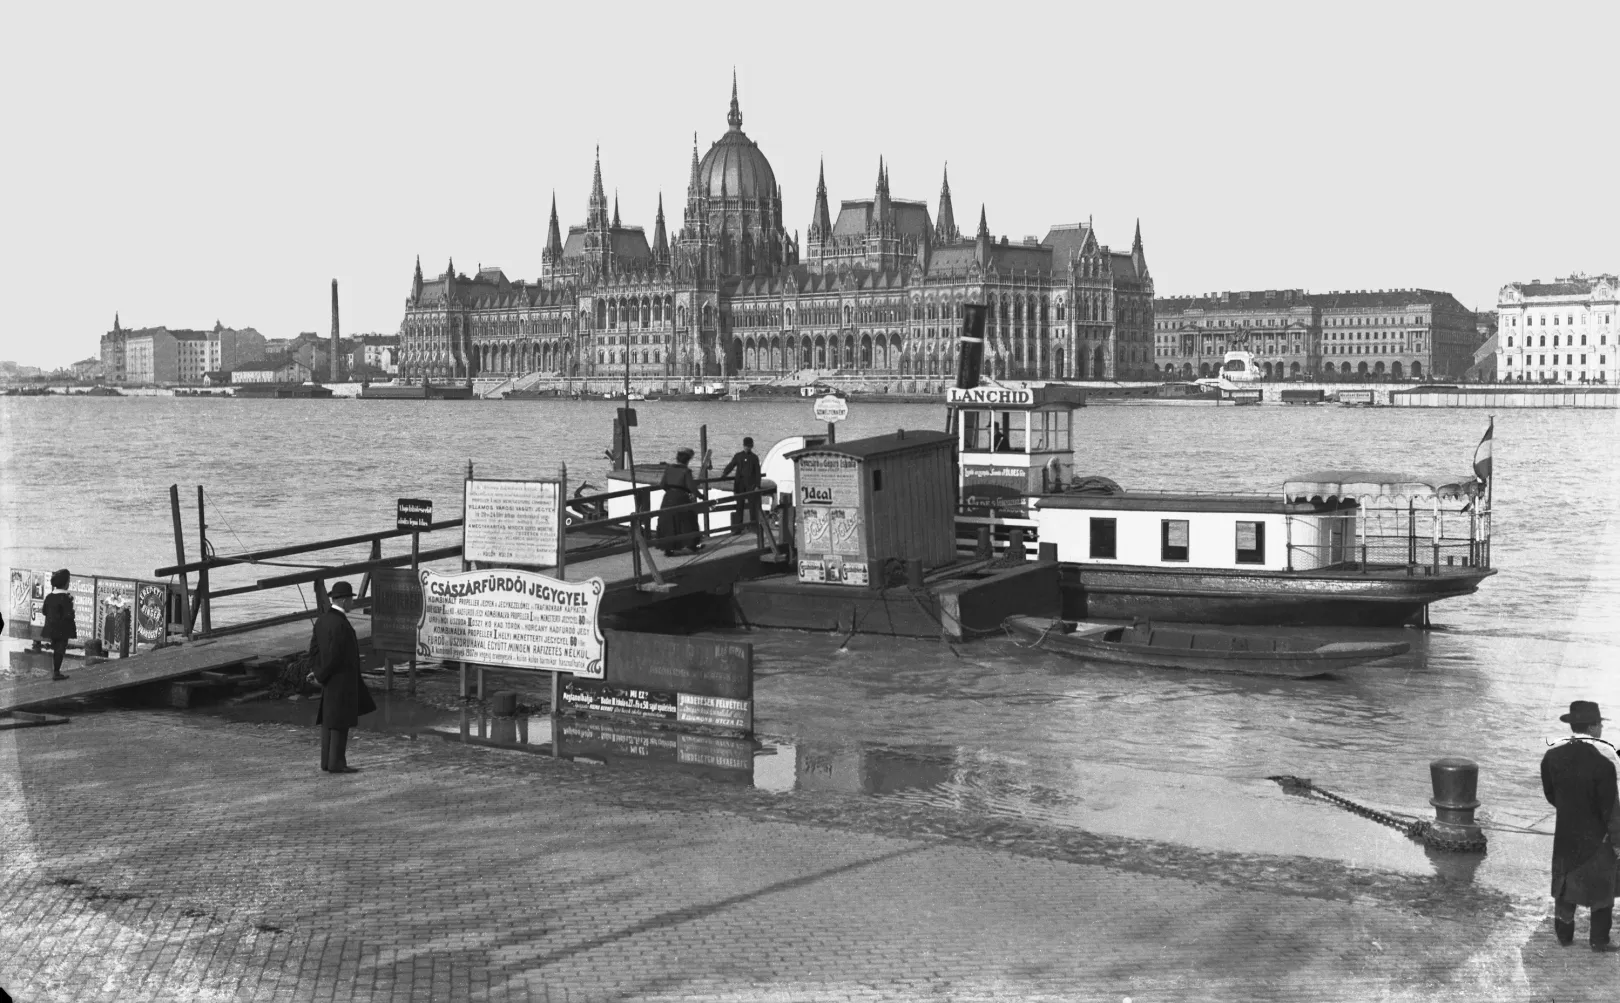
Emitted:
<point x="678" y="530"/>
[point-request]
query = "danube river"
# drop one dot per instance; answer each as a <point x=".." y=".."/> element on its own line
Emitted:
<point x="84" y="484"/>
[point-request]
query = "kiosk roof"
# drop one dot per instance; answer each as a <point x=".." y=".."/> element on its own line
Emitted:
<point x="878" y="445"/>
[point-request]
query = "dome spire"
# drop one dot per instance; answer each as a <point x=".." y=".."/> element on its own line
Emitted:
<point x="734" y="116"/>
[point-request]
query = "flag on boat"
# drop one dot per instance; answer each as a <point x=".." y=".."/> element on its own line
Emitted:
<point x="1482" y="454"/>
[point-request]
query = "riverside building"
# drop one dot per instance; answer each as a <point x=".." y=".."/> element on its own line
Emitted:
<point x="1563" y="331"/>
<point x="875" y="289"/>
<point x="1377" y="334"/>
<point x="158" y="355"/>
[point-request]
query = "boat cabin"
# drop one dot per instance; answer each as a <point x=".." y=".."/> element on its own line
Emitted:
<point x="1012" y="443"/>
<point x="1334" y="520"/>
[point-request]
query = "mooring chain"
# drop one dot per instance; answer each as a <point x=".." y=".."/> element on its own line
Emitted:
<point x="1417" y="829"/>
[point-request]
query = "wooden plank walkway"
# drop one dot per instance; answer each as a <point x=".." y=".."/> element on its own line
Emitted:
<point x="169" y="662"/>
<point x="723" y="560"/>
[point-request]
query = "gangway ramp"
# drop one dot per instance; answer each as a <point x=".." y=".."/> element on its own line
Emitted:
<point x="173" y="661"/>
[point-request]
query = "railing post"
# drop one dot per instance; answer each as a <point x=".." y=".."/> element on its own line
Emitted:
<point x="365" y="580"/>
<point x="202" y="576"/>
<point x="179" y="557"/>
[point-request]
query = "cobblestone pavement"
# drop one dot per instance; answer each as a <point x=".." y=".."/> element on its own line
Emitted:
<point x="159" y="856"/>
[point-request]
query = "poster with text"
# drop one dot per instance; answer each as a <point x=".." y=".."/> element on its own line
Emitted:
<point x="151" y="613"/>
<point x="516" y="619"/>
<point x="114" y="614"/>
<point x="27" y="595"/>
<point x="512" y="522"/>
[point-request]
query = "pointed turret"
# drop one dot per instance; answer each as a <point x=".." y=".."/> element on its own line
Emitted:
<point x="880" y="198"/>
<point x="734" y="116"/>
<point x="821" y="221"/>
<point x="984" y="227"/>
<point x="116" y="326"/>
<point x="1138" y="256"/>
<point x="945" y="231"/>
<point x="660" y="248"/>
<point x="981" y="240"/>
<point x="553" y="234"/>
<point x="596" y="217"/>
<point x="416" y="281"/>
<point x="615" y="209"/>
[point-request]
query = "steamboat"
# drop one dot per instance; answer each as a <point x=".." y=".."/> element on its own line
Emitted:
<point x="1333" y="547"/>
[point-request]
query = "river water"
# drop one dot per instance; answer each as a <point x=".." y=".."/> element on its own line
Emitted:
<point x="84" y="484"/>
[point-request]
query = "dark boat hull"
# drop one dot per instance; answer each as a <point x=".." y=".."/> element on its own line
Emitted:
<point x="1195" y="650"/>
<point x="1260" y="598"/>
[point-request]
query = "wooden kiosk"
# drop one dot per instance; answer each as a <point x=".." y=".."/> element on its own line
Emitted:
<point x="863" y="503"/>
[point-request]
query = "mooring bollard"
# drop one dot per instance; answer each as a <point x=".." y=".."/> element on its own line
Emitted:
<point x="984" y="548"/>
<point x="1015" y="544"/>
<point x="914" y="573"/>
<point x="1456" y="786"/>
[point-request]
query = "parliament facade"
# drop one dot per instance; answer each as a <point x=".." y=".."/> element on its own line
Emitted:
<point x="876" y="290"/>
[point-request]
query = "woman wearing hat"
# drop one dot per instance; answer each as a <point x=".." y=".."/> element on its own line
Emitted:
<point x="1579" y="781"/>
<point x="678" y="530"/>
<point x="60" y="623"/>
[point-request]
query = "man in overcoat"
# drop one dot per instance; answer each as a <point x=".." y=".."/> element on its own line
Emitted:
<point x="746" y="463"/>
<point x="334" y="651"/>
<point x="1579" y="780"/>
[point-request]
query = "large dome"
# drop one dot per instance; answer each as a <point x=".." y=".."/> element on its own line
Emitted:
<point x="734" y="165"/>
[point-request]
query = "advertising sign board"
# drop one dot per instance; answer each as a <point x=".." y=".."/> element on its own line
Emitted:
<point x="83" y="590"/>
<point x="413" y="513"/>
<point x="831" y="408"/>
<point x="114" y="614"/>
<point x="828" y="522"/>
<point x="513" y="522"/>
<point x="998" y="490"/>
<point x="516" y="619"/>
<point x="23" y="602"/>
<point x="728" y="759"/>
<point x="151" y="612"/>
<point x="396" y="606"/>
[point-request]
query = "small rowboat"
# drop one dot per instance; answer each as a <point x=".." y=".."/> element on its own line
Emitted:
<point x="1150" y="646"/>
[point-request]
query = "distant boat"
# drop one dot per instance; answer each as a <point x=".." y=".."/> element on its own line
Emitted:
<point x="1202" y="650"/>
<point x="416" y="391"/>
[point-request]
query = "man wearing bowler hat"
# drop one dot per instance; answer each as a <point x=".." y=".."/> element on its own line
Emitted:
<point x="1579" y="780"/>
<point x="335" y="652"/>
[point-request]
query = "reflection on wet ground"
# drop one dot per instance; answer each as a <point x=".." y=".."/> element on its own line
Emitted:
<point x="993" y="730"/>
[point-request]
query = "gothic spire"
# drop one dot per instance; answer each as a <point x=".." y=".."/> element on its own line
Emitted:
<point x="1136" y="242"/>
<point x="821" y="221"/>
<point x="596" y="217"/>
<point x="734" y="116"/>
<point x="116" y="326"/>
<point x="553" y="233"/>
<point x="660" y="248"/>
<point x="945" y="226"/>
<point x="984" y="227"/>
<point x="416" y="281"/>
<point x="615" y="208"/>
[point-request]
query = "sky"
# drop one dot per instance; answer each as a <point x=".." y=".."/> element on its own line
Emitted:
<point x="181" y="164"/>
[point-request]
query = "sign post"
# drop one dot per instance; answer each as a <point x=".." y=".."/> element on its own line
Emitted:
<point x="831" y="409"/>
<point x="512" y="618"/>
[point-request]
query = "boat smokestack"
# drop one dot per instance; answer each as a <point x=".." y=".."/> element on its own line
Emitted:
<point x="970" y="347"/>
<point x="334" y="352"/>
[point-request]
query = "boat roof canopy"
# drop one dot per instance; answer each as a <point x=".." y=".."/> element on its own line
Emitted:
<point x="1378" y="486"/>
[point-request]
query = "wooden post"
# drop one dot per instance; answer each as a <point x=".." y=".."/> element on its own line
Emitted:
<point x="388" y="673"/>
<point x="832" y="432"/>
<point x="562" y="523"/>
<point x="202" y="576"/>
<point x="416" y="549"/>
<point x="466" y="565"/>
<point x="179" y="556"/>
<point x="556" y="714"/>
<point x="703" y="475"/>
<point x="365" y="579"/>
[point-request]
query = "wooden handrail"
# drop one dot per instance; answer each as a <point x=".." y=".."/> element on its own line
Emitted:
<point x="341" y="570"/>
<point x="300" y="548"/>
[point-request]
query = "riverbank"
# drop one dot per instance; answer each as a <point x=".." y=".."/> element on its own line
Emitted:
<point x="220" y="863"/>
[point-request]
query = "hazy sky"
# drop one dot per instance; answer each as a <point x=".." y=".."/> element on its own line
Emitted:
<point x="181" y="164"/>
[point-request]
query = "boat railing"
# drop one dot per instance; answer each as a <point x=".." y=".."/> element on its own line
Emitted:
<point x="1385" y="553"/>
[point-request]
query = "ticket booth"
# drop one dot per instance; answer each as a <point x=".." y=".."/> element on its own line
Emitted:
<point x="1013" y="443"/>
<point x="859" y="504"/>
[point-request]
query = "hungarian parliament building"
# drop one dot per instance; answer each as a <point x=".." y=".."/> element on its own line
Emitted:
<point x="877" y="290"/>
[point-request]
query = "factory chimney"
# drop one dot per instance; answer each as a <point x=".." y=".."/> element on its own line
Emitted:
<point x="334" y="352"/>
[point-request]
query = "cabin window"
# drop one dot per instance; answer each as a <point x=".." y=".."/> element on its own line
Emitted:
<point x="1173" y="539"/>
<point x="1251" y="543"/>
<point x="1103" y="537"/>
<point x="976" y="431"/>
<point x="877" y="480"/>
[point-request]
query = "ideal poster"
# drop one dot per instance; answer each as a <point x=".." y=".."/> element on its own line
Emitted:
<point x="516" y="619"/>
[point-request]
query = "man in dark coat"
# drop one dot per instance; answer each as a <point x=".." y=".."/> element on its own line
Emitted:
<point x="746" y="463"/>
<point x="1578" y="777"/>
<point x="335" y="652"/>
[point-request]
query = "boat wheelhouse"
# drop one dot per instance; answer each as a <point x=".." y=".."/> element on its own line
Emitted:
<point x="1012" y="445"/>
